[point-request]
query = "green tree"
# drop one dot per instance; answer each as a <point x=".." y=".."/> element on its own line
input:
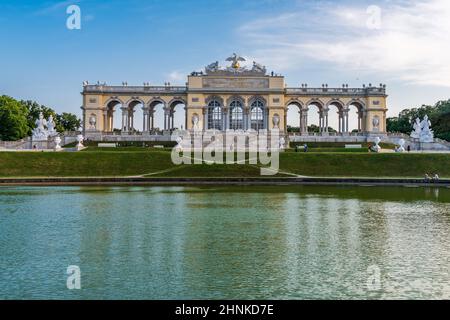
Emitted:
<point x="13" y="119"/>
<point x="67" y="122"/>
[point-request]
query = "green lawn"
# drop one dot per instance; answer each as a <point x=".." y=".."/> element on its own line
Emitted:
<point x="151" y="162"/>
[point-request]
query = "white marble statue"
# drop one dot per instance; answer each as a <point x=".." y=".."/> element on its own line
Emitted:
<point x="51" y="126"/>
<point x="422" y="130"/>
<point x="40" y="133"/>
<point x="417" y="129"/>
<point x="213" y="67"/>
<point x="426" y="134"/>
<point x="258" y="68"/>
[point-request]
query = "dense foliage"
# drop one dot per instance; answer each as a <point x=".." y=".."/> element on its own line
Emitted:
<point x="439" y="115"/>
<point x="13" y="119"/>
<point x="18" y="118"/>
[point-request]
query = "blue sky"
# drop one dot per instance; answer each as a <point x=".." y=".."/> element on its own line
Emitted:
<point x="310" y="42"/>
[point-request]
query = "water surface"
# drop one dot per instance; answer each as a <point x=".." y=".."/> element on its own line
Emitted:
<point x="225" y="242"/>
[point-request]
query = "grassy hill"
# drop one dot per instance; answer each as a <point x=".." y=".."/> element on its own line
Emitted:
<point x="147" y="162"/>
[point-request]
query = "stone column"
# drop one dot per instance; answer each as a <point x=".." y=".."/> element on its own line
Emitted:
<point x="205" y="119"/>
<point x="326" y="121"/>
<point x="320" y="121"/>
<point x="152" y="120"/>
<point x="345" y="121"/>
<point x="266" y="119"/>
<point x="305" y="121"/>
<point x="247" y="118"/>
<point x="165" y="119"/>
<point x="131" y="119"/>
<point x="105" y="121"/>
<point x="111" y="120"/>
<point x="359" y="120"/>
<point x="145" y="120"/>
<point x="225" y="119"/>
<point x="124" y="119"/>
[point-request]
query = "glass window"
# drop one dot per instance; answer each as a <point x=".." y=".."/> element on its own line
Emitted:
<point x="257" y="115"/>
<point x="215" y="115"/>
<point x="236" y="115"/>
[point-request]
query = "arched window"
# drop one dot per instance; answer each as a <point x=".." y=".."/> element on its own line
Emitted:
<point x="257" y="115"/>
<point x="236" y="115"/>
<point x="215" y="115"/>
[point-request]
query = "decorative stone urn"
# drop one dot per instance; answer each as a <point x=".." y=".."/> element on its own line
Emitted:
<point x="80" y="140"/>
<point x="376" y="147"/>
<point x="401" y="144"/>
<point x="58" y="143"/>
<point x="92" y="123"/>
<point x="276" y="121"/>
<point x="195" y="122"/>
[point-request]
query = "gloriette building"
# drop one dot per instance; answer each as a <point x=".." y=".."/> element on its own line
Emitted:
<point x="230" y="98"/>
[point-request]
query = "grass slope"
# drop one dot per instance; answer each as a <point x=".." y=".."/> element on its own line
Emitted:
<point x="158" y="163"/>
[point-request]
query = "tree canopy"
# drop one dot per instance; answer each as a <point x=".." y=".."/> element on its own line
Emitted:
<point x="439" y="115"/>
<point x="18" y="118"/>
<point x="13" y="119"/>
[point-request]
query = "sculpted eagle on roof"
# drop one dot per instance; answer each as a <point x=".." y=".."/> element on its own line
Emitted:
<point x="235" y="58"/>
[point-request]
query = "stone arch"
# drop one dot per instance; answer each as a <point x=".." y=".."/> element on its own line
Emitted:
<point x="156" y="101"/>
<point x="360" y="108"/>
<point x="180" y="121"/>
<point x="316" y="102"/>
<point x="132" y="111"/>
<point x="212" y="98"/>
<point x="253" y="99"/>
<point x="111" y="106"/>
<point x="296" y="112"/>
<point x="135" y="101"/>
<point x="322" y="116"/>
<point x="113" y="100"/>
<point x="295" y="102"/>
<point x="340" y="106"/>
<point x="155" y="116"/>
<point x="231" y="99"/>
<point x="356" y="102"/>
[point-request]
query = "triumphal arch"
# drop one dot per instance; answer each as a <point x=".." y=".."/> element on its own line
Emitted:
<point x="231" y="98"/>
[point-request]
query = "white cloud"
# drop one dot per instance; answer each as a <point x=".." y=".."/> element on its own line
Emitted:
<point x="412" y="45"/>
<point x="176" y="76"/>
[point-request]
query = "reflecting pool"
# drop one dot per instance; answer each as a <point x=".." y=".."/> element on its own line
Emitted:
<point x="225" y="242"/>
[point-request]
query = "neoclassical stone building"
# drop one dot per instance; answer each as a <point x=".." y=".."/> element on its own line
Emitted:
<point x="231" y="98"/>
